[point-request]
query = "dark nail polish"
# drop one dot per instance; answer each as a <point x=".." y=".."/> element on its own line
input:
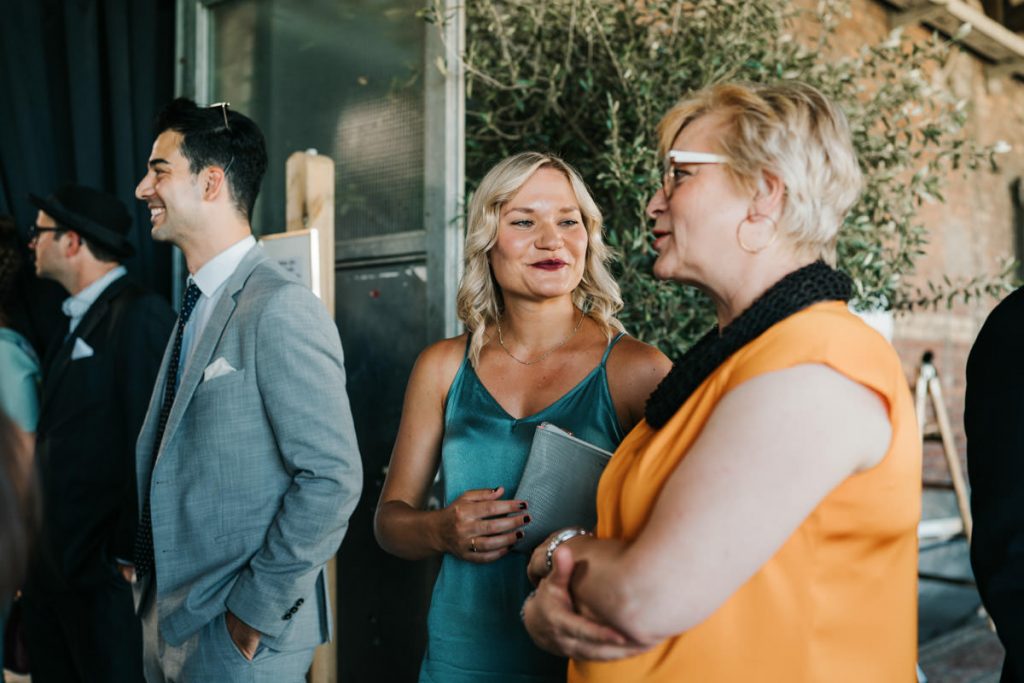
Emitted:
<point x="526" y="519"/>
<point x="522" y="505"/>
<point x="519" y="534"/>
<point x="495" y="489"/>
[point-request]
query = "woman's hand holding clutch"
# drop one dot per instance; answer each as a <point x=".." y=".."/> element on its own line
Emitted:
<point x="478" y="527"/>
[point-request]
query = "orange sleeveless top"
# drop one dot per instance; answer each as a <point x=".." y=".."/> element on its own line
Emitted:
<point x="838" y="601"/>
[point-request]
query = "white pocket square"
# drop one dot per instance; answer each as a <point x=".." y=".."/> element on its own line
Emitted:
<point x="81" y="350"/>
<point x="216" y="369"/>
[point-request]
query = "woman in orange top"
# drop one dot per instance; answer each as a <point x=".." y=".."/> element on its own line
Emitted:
<point x="760" y="523"/>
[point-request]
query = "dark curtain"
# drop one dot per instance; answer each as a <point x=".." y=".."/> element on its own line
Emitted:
<point x="80" y="84"/>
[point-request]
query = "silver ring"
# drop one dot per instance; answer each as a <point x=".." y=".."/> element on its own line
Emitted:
<point x="472" y="545"/>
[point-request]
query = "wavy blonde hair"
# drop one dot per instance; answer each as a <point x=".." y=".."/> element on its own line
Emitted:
<point x="789" y="129"/>
<point x="479" y="301"/>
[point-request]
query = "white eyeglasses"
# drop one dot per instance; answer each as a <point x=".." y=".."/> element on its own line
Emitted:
<point x="678" y="157"/>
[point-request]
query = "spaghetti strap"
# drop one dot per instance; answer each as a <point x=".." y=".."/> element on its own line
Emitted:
<point x="611" y="345"/>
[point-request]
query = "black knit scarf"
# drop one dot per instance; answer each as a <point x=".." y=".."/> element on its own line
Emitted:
<point x="793" y="293"/>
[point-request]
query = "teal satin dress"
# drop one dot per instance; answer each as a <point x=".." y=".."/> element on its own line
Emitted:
<point x="474" y="632"/>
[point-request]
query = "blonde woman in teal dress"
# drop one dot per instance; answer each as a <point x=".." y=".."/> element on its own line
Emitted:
<point x="542" y="345"/>
<point x="19" y="368"/>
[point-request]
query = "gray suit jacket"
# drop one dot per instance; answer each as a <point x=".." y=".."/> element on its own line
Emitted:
<point x="258" y="470"/>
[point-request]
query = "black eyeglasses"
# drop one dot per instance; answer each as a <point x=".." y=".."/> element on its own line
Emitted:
<point x="224" y="110"/>
<point x="35" y="230"/>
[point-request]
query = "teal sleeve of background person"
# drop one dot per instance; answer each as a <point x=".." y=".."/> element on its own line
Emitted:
<point x="19" y="380"/>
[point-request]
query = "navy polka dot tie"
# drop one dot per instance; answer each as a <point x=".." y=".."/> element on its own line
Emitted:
<point x="144" y="532"/>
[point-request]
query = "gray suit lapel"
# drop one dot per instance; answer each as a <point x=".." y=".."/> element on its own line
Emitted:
<point x="207" y="342"/>
<point x="144" y="445"/>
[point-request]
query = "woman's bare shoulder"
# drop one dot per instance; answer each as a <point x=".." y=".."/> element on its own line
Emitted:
<point x="452" y="349"/>
<point x="632" y="356"/>
<point x="438" y="363"/>
<point x="635" y="369"/>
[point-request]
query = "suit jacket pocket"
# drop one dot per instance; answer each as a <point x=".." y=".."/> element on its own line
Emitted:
<point x="219" y="382"/>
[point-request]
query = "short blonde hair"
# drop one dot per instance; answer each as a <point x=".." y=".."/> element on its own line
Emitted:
<point x="479" y="301"/>
<point x="792" y="131"/>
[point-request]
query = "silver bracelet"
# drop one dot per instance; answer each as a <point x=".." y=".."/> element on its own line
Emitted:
<point x="560" y="538"/>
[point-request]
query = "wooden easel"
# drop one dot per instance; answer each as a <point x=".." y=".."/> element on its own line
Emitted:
<point x="310" y="204"/>
<point x="929" y="388"/>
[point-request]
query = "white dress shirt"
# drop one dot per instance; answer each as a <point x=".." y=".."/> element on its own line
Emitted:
<point x="210" y="279"/>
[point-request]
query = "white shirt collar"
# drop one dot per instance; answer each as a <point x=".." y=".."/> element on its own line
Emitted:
<point x="75" y="307"/>
<point x="212" y="276"/>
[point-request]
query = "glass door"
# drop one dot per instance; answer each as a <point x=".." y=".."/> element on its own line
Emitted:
<point x="357" y="80"/>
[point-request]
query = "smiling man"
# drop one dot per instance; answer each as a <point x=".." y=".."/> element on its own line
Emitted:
<point x="248" y="466"/>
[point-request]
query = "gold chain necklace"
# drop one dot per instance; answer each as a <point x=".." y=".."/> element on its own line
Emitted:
<point x="501" y="341"/>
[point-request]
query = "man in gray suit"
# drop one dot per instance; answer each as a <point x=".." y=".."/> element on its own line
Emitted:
<point x="248" y="467"/>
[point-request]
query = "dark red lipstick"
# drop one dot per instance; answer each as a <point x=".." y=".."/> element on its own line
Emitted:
<point x="549" y="264"/>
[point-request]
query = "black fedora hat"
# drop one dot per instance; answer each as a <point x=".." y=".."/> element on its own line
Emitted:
<point x="97" y="216"/>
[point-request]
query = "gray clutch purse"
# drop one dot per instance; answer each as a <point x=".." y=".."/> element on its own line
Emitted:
<point x="559" y="484"/>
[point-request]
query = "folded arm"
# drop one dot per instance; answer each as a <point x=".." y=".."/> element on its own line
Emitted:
<point x="774" y="447"/>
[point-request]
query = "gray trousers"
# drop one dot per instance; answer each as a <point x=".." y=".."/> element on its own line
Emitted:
<point x="210" y="656"/>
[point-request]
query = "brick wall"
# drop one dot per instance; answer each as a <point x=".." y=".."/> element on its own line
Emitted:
<point x="972" y="233"/>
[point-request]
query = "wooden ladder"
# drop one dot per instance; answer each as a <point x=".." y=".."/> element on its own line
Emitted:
<point x="929" y="390"/>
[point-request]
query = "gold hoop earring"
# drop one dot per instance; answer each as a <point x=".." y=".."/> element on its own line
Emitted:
<point x="751" y="218"/>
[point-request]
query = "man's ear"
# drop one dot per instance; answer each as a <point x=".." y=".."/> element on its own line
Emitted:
<point x="73" y="244"/>
<point x="770" y="195"/>
<point x="214" y="182"/>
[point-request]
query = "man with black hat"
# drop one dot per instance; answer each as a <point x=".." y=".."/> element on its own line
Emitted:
<point x="78" y="609"/>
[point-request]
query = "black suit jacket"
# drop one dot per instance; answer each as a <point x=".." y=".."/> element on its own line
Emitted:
<point x="90" y="415"/>
<point x="994" y="422"/>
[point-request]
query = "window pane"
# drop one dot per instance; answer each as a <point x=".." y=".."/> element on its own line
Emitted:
<point x="340" y="76"/>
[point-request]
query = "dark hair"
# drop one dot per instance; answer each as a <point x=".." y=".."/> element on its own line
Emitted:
<point x="99" y="253"/>
<point x="238" y="147"/>
<point x="11" y="259"/>
<point x="17" y="509"/>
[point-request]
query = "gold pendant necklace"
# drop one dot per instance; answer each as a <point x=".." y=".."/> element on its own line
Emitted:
<point x="501" y="342"/>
